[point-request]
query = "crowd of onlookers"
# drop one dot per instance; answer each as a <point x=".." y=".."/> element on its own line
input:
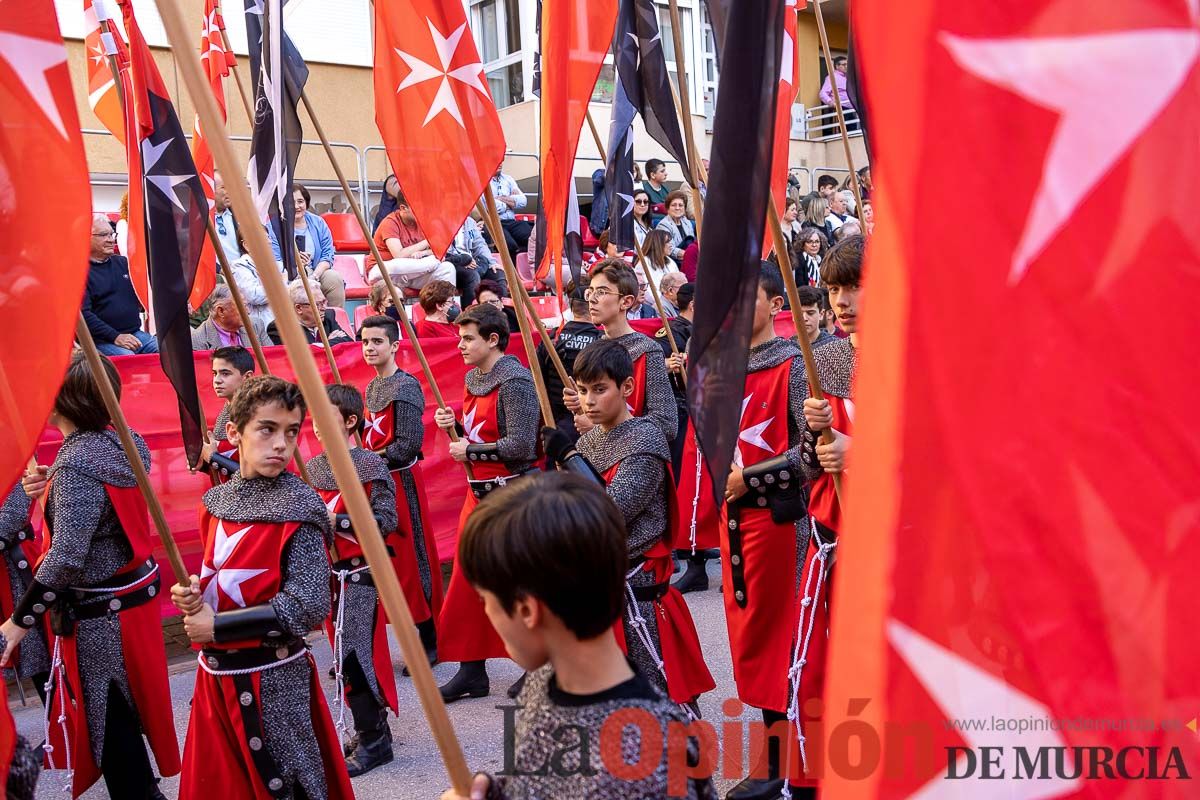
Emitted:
<point x="468" y="273"/>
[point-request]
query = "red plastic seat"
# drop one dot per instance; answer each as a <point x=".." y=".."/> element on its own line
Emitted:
<point x="347" y="234"/>
<point x="361" y="312"/>
<point x="525" y="271"/>
<point x="343" y="319"/>
<point x="589" y="241"/>
<point x="356" y="286"/>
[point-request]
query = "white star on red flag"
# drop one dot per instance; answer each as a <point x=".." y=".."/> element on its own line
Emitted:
<point x="31" y="59"/>
<point x="467" y="74"/>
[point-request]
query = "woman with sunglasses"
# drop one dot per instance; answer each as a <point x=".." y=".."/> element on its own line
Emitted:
<point x="642" y="220"/>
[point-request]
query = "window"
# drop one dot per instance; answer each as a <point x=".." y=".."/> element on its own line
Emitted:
<point x="496" y="25"/>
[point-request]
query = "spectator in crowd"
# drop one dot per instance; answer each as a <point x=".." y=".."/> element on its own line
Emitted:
<point x="847" y="196"/>
<point x="790" y="220"/>
<point x="493" y="294"/>
<point x="311" y="317"/>
<point x="645" y="308"/>
<point x="850" y="228"/>
<point x="314" y="243"/>
<point x="835" y="83"/>
<point x="387" y="203"/>
<point x="838" y="212"/>
<point x="691" y="260"/>
<point x="864" y="182"/>
<point x="813" y="210"/>
<point x="656" y="178"/>
<point x="509" y="198"/>
<point x="110" y="305"/>
<point x="806" y="253"/>
<point x="828" y="317"/>
<point x="470" y="239"/>
<point x="643" y="220"/>
<point x="379" y="300"/>
<point x="249" y="283"/>
<point x="668" y="287"/>
<point x="412" y="263"/>
<point x="812" y="316"/>
<point x="657" y="251"/>
<point x="123" y="226"/>
<point x="575" y="335"/>
<point x="679" y="228"/>
<point x="826" y="185"/>
<point x="436" y="299"/>
<point x="868" y="217"/>
<point x="224" y="326"/>
<point x="223" y="220"/>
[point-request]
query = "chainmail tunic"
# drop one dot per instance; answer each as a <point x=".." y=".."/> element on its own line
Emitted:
<point x="660" y="397"/>
<point x="32" y="656"/>
<point x="301" y="605"/>
<point x="89" y="546"/>
<point x="550" y="721"/>
<point x="837" y="364"/>
<point x="517" y="414"/>
<point x="361" y="601"/>
<point x="218" y="431"/>
<point x="405" y="392"/>
<point x="639" y="490"/>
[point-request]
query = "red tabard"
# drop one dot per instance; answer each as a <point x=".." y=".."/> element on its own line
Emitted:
<point x="242" y="567"/>
<point x="695" y="498"/>
<point x="687" y="674"/>
<point x="637" y="400"/>
<point x="761" y="634"/>
<point x="145" y="658"/>
<point x="823" y="503"/>
<point x="464" y="632"/>
<point x="379" y="428"/>
<point x="346" y="546"/>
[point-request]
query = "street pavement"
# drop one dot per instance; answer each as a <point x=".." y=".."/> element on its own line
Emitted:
<point x="417" y="772"/>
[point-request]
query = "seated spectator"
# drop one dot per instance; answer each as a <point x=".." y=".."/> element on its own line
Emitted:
<point x="668" y="287"/>
<point x="406" y="252"/>
<point x="790" y="222"/>
<point x="826" y="185"/>
<point x="680" y="229"/>
<point x="645" y="309"/>
<point x="564" y="264"/>
<point x="643" y="220"/>
<point x="656" y="178"/>
<point x="224" y="326"/>
<point x="387" y="203"/>
<point x="657" y="252"/>
<point x="691" y="260"/>
<point x="249" y="283"/>
<point x="380" y="300"/>
<point x="510" y="198"/>
<point x="806" y="253"/>
<point x="493" y="293"/>
<point x="227" y="229"/>
<point x="838" y="212"/>
<point x="314" y="242"/>
<point x="847" y="196"/>
<point x="850" y="228"/>
<point x="123" y="226"/>
<point x="868" y="217"/>
<point x="437" y="298"/>
<point x="311" y="317"/>
<point x="469" y="239"/>
<point x="110" y="305"/>
<point x="864" y="183"/>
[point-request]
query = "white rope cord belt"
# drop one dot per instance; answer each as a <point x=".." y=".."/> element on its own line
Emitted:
<point x="339" y="619"/>
<point x="817" y="568"/>
<point x="695" y="497"/>
<point x="250" y="670"/>
<point x="58" y="678"/>
<point x="638" y="623"/>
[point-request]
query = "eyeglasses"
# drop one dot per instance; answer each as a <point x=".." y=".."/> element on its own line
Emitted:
<point x="595" y="294"/>
<point x="497" y="302"/>
<point x="108" y="235"/>
<point x="321" y="305"/>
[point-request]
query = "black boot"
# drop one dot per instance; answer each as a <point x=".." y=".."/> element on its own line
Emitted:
<point x="771" y="786"/>
<point x="695" y="578"/>
<point x="155" y="793"/>
<point x="427" y="630"/>
<point x="373" y="745"/>
<point x="471" y="680"/>
<point x="516" y="688"/>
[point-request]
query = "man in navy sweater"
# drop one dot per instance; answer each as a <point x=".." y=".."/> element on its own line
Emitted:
<point x="110" y="306"/>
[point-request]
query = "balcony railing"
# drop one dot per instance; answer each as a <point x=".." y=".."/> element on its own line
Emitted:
<point x="820" y="123"/>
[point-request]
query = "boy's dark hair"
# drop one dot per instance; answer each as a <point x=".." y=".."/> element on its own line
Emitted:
<point x="685" y="296"/>
<point x="652" y="166"/>
<point x="488" y="319"/>
<point x="262" y="390"/>
<point x="617" y="272"/>
<point x="579" y="303"/>
<point x="553" y="536"/>
<point x="79" y="398"/>
<point x="491" y="286"/>
<point x="603" y="358"/>
<point x="770" y="280"/>
<point x="389" y="326"/>
<point x="348" y="400"/>
<point x="827" y="180"/>
<point x="825" y="304"/>
<point x="809" y="296"/>
<point x="238" y="357"/>
<point x="842" y="265"/>
<point x="840" y="60"/>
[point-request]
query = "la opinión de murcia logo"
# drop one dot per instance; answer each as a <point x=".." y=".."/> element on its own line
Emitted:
<point x="1065" y="763"/>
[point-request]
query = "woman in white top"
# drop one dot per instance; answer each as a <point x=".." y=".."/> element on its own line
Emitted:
<point x="642" y="221"/>
<point x="791" y="223"/>
<point x="677" y="225"/>
<point x="245" y="272"/>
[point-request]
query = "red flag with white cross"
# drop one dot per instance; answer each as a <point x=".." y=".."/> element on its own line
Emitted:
<point x="434" y="111"/>
<point x="1018" y="570"/>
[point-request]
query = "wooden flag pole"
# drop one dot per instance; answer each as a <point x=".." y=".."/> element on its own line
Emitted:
<point x="837" y="107"/>
<point x="113" y="405"/>
<point x="397" y="298"/>
<point x="685" y="111"/>
<point x="324" y="414"/>
<point x="596" y="135"/>
<point x="524" y="303"/>
<point x="302" y="273"/>
<point x="810" y="364"/>
<point x="515" y="285"/>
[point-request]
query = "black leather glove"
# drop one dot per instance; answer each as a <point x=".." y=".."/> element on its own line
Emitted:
<point x="562" y="452"/>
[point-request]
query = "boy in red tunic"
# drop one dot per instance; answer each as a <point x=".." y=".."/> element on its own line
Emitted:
<point x="612" y="291"/>
<point x="260" y="728"/>
<point x="357" y="628"/>
<point x="230" y="368"/>
<point x="499" y="441"/>
<point x="393" y="429"/>
<point x="98" y="582"/>
<point x="765" y="533"/>
<point x="631" y="456"/>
